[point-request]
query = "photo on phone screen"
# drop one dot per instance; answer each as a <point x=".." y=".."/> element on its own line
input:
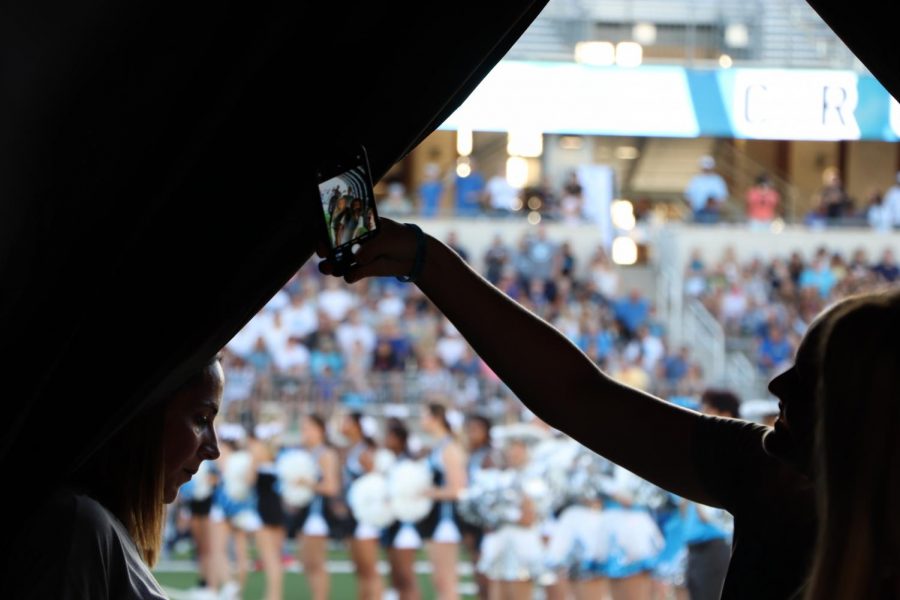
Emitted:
<point x="349" y="204"/>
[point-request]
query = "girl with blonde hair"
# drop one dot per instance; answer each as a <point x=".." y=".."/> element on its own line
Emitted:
<point x="858" y="453"/>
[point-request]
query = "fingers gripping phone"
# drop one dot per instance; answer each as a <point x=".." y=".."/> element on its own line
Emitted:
<point x="348" y="206"/>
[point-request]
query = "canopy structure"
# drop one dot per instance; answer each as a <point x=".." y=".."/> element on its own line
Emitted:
<point x="155" y="181"/>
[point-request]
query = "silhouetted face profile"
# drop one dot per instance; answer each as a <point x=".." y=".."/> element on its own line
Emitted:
<point x="188" y="436"/>
<point x="795" y="388"/>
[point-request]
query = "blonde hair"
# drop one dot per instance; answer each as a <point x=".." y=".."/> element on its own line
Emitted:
<point x="127" y="476"/>
<point x="858" y="451"/>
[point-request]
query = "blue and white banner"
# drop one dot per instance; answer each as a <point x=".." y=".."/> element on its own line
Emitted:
<point x="671" y="101"/>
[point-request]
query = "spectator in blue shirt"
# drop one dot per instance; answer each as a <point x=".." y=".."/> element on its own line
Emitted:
<point x="887" y="269"/>
<point x="430" y="191"/>
<point x="706" y="192"/>
<point x="326" y="358"/>
<point x="469" y="192"/>
<point x="259" y="358"/>
<point x="632" y="311"/>
<point x="675" y="366"/>
<point x="819" y="276"/>
<point x="774" y="350"/>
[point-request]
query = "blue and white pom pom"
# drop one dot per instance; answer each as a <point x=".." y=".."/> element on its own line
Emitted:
<point x="203" y="482"/>
<point x="238" y="475"/>
<point x="369" y="500"/>
<point x="295" y="467"/>
<point x="408" y="481"/>
<point x="384" y="460"/>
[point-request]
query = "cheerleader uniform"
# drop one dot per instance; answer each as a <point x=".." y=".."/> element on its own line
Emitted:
<point x="350" y="472"/>
<point x="400" y="534"/>
<point x="476" y="463"/>
<point x="672" y="562"/>
<point x="240" y="513"/>
<point x="268" y="498"/>
<point x="313" y="519"/>
<point x="634" y="542"/>
<point x="442" y="524"/>
<point x="199" y="507"/>
<point x="513" y="552"/>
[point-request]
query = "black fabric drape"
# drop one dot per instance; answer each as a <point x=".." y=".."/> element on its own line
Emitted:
<point x="155" y="181"/>
<point x="869" y="29"/>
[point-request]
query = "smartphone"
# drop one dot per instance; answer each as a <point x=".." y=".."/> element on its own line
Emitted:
<point x="348" y="205"/>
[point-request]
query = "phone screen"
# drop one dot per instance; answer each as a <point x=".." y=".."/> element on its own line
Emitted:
<point x="348" y="202"/>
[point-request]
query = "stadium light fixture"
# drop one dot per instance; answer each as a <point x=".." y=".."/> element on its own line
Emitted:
<point x="463" y="167"/>
<point x="627" y="153"/>
<point x="525" y="143"/>
<point x="644" y="33"/>
<point x="571" y="142"/>
<point x="516" y="171"/>
<point x="464" y="142"/>
<point x="621" y="213"/>
<point x="737" y="35"/>
<point x="599" y="54"/>
<point x="726" y="61"/>
<point x="624" y="251"/>
<point x="629" y="54"/>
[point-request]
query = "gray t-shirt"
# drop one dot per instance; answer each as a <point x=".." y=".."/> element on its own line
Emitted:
<point x="74" y="548"/>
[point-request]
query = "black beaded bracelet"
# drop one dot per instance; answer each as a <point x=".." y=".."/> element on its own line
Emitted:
<point x="419" y="260"/>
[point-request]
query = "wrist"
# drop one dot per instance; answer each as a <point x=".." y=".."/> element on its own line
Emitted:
<point x="419" y="254"/>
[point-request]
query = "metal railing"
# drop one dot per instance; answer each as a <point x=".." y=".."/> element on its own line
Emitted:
<point x="741" y="171"/>
<point x="742" y="377"/>
<point x="706" y="338"/>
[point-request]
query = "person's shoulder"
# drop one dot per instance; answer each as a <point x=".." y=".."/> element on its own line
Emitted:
<point x="68" y="508"/>
<point x="731" y="460"/>
<point x="92" y="520"/>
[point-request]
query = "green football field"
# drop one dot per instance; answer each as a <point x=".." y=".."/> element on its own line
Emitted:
<point x="343" y="585"/>
<point x="178" y="575"/>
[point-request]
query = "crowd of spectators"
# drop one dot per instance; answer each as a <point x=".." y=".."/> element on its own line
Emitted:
<point x="706" y="196"/>
<point x="324" y="342"/>
<point x="766" y="306"/>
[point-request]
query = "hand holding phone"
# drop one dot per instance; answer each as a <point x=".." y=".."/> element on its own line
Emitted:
<point x="348" y="206"/>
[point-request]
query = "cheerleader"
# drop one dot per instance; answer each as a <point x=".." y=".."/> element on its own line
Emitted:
<point x="401" y="548"/>
<point x="233" y="513"/>
<point x="311" y="523"/>
<point x="670" y="572"/>
<point x="512" y="555"/>
<point x="579" y="541"/>
<point x="635" y="541"/>
<point x="270" y="536"/>
<point x="481" y="456"/>
<point x="199" y="495"/>
<point x="441" y="527"/>
<point x="359" y="460"/>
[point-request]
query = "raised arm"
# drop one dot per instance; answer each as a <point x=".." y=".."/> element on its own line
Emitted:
<point x="549" y="374"/>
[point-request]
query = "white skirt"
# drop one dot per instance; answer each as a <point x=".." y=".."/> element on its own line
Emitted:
<point x="634" y="536"/>
<point x="315" y="525"/>
<point x="366" y="532"/>
<point x="512" y="553"/>
<point x="246" y="520"/>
